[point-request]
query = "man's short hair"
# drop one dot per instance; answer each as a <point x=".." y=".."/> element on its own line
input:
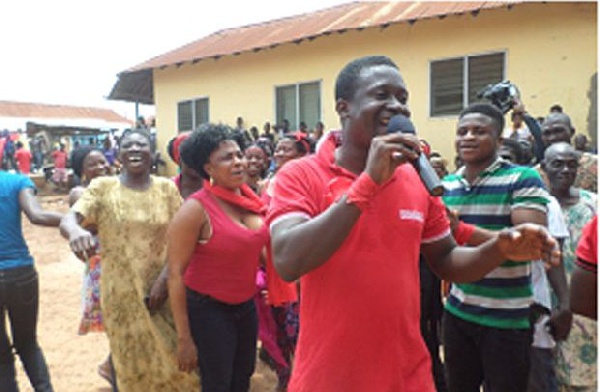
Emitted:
<point x="345" y="84"/>
<point x="562" y="147"/>
<point x="486" y="109"/>
<point x="516" y="148"/>
<point x="559" y="117"/>
<point x="556" y="108"/>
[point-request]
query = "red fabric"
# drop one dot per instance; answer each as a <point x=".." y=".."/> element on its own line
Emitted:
<point x="23" y="158"/>
<point x="2" y="143"/>
<point x="587" y="249"/>
<point x="60" y="159"/>
<point x="225" y="266"/>
<point x="177" y="181"/>
<point x="361" y="191"/>
<point x="176" y="144"/>
<point x="360" y="311"/>
<point x="247" y="199"/>
<point x="280" y="291"/>
<point x="463" y="232"/>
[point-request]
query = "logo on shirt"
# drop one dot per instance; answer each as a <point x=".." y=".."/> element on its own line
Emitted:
<point x="411" y="215"/>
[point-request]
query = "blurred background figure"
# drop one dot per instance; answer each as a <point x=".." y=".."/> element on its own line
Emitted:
<point x="23" y="158"/>
<point x="580" y="142"/>
<point x="89" y="163"/>
<point x="439" y="164"/>
<point x="188" y="180"/>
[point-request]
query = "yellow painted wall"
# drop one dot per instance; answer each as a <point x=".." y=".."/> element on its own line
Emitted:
<point x="551" y="52"/>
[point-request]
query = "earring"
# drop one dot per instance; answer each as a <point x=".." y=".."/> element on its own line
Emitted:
<point x="211" y="181"/>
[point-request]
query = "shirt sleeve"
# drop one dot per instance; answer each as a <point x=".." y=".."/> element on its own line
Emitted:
<point x="90" y="202"/>
<point x="293" y="194"/>
<point x="437" y="225"/>
<point x="556" y="221"/>
<point x="529" y="191"/>
<point x="25" y="182"/>
<point x="587" y="250"/>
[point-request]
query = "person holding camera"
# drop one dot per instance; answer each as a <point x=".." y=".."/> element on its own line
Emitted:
<point x="350" y="221"/>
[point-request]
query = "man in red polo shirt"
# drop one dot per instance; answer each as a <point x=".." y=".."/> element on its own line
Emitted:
<point x="350" y="221"/>
<point x="23" y="158"/>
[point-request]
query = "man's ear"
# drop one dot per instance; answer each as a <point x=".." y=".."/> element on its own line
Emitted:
<point x="341" y="107"/>
<point x="572" y="131"/>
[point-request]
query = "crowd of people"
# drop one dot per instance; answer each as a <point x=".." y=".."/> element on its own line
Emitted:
<point x="324" y="252"/>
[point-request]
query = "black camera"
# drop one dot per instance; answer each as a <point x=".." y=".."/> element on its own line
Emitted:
<point x="500" y="95"/>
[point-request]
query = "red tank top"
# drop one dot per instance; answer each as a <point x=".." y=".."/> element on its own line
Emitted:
<point x="225" y="267"/>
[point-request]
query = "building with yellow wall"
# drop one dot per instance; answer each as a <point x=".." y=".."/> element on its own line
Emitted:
<point x="446" y="53"/>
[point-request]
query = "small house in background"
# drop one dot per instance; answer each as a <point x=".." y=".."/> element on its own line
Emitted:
<point x="55" y="123"/>
<point x="447" y="52"/>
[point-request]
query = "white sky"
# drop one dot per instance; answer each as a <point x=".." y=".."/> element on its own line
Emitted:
<point x="70" y="51"/>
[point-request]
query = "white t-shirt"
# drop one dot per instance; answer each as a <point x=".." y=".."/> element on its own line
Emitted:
<point x="522" y="133"/>
<point x="539" y="281"/>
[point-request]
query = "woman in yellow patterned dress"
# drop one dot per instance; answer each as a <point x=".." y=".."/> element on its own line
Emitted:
<point x="132" y="212"/>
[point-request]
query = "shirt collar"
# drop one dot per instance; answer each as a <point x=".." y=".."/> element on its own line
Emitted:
<point x="326" y="153"/>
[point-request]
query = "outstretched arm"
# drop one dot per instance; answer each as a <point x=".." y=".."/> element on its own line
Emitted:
<point x="34" y="212"/>
<point x="524" y="242"/>
<point x="81" y="241"/>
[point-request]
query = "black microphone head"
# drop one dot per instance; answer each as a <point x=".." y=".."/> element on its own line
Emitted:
<point x="400" y="123"/>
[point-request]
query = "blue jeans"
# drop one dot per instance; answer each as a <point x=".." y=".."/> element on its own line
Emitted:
<point x="477" y="355"/>
<point x="225" y="336"/>
<point x="19" y="297"/>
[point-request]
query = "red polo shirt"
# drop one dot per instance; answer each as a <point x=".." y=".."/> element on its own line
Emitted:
<point x="587" y="249"/>
<point x="360" y="311"/>
<point x="23" y="158"/>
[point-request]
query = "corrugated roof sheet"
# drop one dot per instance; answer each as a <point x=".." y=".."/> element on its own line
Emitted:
<point x="38" y="110"/>
<point x="135" y="84"/>
<point x="357" y="15"/>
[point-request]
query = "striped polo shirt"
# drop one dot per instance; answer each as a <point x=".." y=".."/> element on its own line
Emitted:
<point x="502" y="298"/>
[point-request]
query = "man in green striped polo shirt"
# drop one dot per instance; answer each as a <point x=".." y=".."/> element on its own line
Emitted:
<point x="487" y="333"/>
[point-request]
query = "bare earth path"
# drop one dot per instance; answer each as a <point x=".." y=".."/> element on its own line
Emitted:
<point x="73" y="359"/>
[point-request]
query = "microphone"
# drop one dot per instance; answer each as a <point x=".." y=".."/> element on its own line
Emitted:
<point x="401" y="123"/>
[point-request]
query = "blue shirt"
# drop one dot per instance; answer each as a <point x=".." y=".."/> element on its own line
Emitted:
<point x="13" y="249"/>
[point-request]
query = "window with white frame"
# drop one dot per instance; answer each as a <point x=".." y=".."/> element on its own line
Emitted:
<point x="191" y="113"/>
<point x="455" y="82"/>
<point x="298" y="102"/>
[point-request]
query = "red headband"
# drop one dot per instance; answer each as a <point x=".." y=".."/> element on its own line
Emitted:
<point x="300" y="137"/>
<point x="176" y="143"/>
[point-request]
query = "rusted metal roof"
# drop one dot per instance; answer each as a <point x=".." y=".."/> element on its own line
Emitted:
<point x="34" y="116"/>
<point x="135" y="84"/>
<point x="352" y="16"/>
<point x="39" y="110"/>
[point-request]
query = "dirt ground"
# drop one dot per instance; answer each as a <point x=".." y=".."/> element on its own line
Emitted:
<point x="73" y="359"/>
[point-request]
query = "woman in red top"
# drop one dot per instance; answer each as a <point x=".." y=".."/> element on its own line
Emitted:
<point x="215" y="242"/>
